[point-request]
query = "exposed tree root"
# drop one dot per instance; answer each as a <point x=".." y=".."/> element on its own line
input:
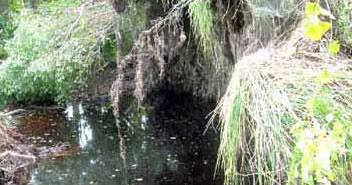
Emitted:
<point x="166" y="57"/>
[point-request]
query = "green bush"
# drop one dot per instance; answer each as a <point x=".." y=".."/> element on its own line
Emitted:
<point x="53" y="51"/>
<point x="132" y="23"/>
<point x="7" y="27"/>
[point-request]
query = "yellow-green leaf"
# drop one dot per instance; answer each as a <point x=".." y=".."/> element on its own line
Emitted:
<point x="310" y="105"/>
<point x="316" y="31"/>
<point x="331" y="176"/>
<point x="324" y="78"/>
<point x="333" y="47"/>
<point x="313" y="9"/>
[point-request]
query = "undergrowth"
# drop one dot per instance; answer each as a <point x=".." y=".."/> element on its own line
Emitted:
<point x="282" y="120"/>
<point x="7" y="27"/>
<point x="53" y="50"/>
<point x="323" y="139"/>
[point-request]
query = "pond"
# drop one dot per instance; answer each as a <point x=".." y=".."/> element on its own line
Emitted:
<point x="166" y="147"/>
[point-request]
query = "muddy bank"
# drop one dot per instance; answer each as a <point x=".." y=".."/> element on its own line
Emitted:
<point x="17" y="157"/>
<point x="19" y="153"/>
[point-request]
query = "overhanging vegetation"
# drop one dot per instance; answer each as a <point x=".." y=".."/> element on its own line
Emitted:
<point x="54" y="49"/>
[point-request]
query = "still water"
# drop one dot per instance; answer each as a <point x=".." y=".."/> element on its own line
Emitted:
<point x="166" y="147"/>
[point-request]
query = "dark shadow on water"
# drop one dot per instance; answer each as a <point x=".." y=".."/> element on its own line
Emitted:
<point x="165" y="146"/>
<point x="180" y="123"/>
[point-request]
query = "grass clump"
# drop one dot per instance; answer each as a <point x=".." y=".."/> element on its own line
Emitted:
<point x="254" y="143"/>
<point x="53" y="50"/>
<point x="266" y="99"/>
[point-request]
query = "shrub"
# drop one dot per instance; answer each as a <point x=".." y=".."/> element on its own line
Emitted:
<point x="54" y="49"/>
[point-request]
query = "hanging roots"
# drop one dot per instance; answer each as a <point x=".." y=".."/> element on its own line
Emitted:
<point x="164" y="57"/>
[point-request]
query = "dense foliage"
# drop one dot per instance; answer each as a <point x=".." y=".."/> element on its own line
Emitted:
<point x="53" y="50"/>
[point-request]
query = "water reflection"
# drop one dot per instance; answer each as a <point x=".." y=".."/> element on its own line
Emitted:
<point x="76" y="114"/>
<point x="85" y="132"/>
<point x="69" y="112"/>
<point x="145" y="150"/>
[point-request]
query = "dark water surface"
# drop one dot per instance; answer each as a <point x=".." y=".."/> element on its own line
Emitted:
<point x="166" y="147"/>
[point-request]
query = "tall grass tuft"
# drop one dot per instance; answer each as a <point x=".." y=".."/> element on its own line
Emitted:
<point x="265" y="98"/>
<point x="254" y="143"/>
